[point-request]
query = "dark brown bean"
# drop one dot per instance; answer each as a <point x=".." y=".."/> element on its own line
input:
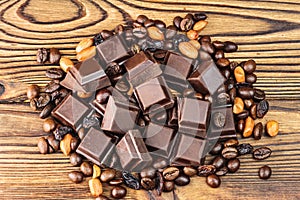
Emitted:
<point x="221" y="172"/>
<point x="223" y="62"/>
<point x="258" y="131"/>
<point x="246" y="92"/>
<point x="264" y="172"/>
<point x="119" y="29"/>
<point x="170" y="173"/>
<point x="206" y="170"/>
<point x="249" y="66"/>
<point x="182" y="180"/>
<point x="86" y="168"/>
<point x="200" y="16"/>
<point x="51" y="87"/>
<point x="118" y="192"/>
<point x="229" y="153"/>
<point x="54" y="56"/>
<point x="231" y="143"/>
<point x="243" y="115"/>
<point x="160" y="24"/>
<point x="169" y="186"/>
<point x="148" y="23"/>
<point x="107" y="175"/>
<point x="43" y="145"/>
<point x="49" y="125"/>
<point x="46" y="111"/>
<point x="148" y="183"/>
<point x="101" y="197"/>
<point x="55" y="73"/>
<point x="42" y="55"/>
<point x="216" y="149"/>
<point x="219" y="54"/>
<point x="189" y="171"/>
<point x="262" y="153"/>
<point x="33" y="91"/>
<point x="232" y="94"/>
<point x="253" y="111"/>
<point x="117" y="181"/>
<point x="74" y="143"/>
<point x="141" y="19"/>
<point x="53" y="143"/>
<point x="248" y="103"/>
<point x="259" y="95"/>
<point x="233" y="165"/>
<point x="226" y="73"/>
<point x="230" y="47"/>
<point x="218" y="44"/>
<point x="159" y="183"/>
<point x="244" y="148"/>
<point x="213" y="181"/>
<point x="240" y="126"/>
<point x="251" y="78"/>
<point x="187" y="23"/>
<point x="149" y="172"/>
<point x="218" y="162"/>
<point x="106" y="34"/>
<point x="208" y="47"/>
<point x="75" y="159"/>
<point x="76" y="176"/>
<point x="262" y="109"/>
<point x="139" y="32"/>
<point x="176" y="22"/>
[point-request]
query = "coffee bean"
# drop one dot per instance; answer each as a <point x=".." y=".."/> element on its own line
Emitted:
<point x="223" y="62"/>
<point x="106" y="34"/>
<point x="232" y="94"/>
<point x="249" y="66"/>
<point x="75" y="159"/>
<point x="221" y="172"/>
<point x="230" y="47"/>
<point x="264" y="172"/>
<point x="52" y="87"/>
<point x="168" y="186"/>
<point x="148" y="173"/>
<point x="176" y="22"/>
<point x="33" y="105"/>
<point x="95" y="186"/>
<point x="170" y="173"/>
<point x="223" y="99"/>
<point x="74" y="143"/>
<point x="76" y="176"/>
<point x="101" y="197"/>
<point x="182" y="180"/>
<point x="218" y="162"/>
<point x="117" y="181"/>
<point x="159" y="183"/>
<point x="272" y="128"/>
<point x="61" y="131"/>
<point x="253" y="111"/>
<point x="46" y="111"/>
<point x="229" y="153"/>
<point x="118" y="192"/>
<point x="258" y="131"/>
<point x="86" y="53"/>
<point x="219" y="54"/>
<point x="243" y="115"/>
<point x="249" y="126"/>
<point x="187" y="23"/>
<point x="216" y="149"/>
<point x="218" y="44"/>
<point x="262" y="153"/>
<point x="262" y="109"/>
<point x="233" y="165"/>
<point x="148" y="23"/>
<point x="49" y="125"/>
<point x="213" y="181"/>
<point x="141" y="19"/>
<point x="192" y="34"/>
<point x="200" y="16"/>
<point x="219" y="119"/>
<point x="189" y="171"/>
<point x="55" y="73"/>
<point x="240" y="126"/>
<point x="259" y="95"/>
<point x="86" y="168"/>
<point x="131" y="181"/>
<point x="160" y="24"/>
<point x="43" y="100"/>
<point x="231" y="143"/>
<point x="33" y="91"/>
<point x="107" y="175"/>
<point x="248" y="103"/>
<point x="98" y="39"/>
<point x="42" y="55"/>
<point x="251" y="78"/>
<point x="53" y="143"/>
<point x="244" y="148"/>
<point x="148" y="183"/>
<point x="238" y="105"/>
<point x="54" y="56"/>
<point x="208" y="47"/>
<point x="43" y="145"/>
<point x="246" y="92"/>
<point x="206" y="170"/>
<point x="239" y="75"/>
<point x="65" y="144"/>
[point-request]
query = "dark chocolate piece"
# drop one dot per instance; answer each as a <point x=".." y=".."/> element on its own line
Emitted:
<point x="97" y="146"/>
<point x="132" y="151"/>
<point x="119" y="116"/>
<point x="193" y="116"/>
<point x="173" y="115"/>
<point x="206" y="78"/>
<point x="70" y="111"/>
<point x="71" y="83"/>
<point x="113" y="50"/>
<point x="157" y="100"/>
<point x="189" y="151"/>
<point x="159" y="139"/>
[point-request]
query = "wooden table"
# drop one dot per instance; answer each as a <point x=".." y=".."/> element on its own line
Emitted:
<point x="266" y="30"/>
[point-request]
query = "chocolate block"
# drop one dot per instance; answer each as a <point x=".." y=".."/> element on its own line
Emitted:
<point x="157" y="100"/>
<point x="119" y="116"/>
<point x="193" y="116"/>
<point x="71" y="83"/>
<point x="132" y="151"/>
<point x="206" y="78"/>
<point x="188" y="151"/>
<point x="113" y="50"/>
<point x="70" y="111"/>
<point x="141" y="67"/>
<point x="97" y="146"/>
<point x="173" y="115"/>
<point x="159" y="139"/>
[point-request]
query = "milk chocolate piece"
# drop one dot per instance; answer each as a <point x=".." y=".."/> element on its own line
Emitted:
<point x="70" y="111"/>
<point x="193" y="116"/>
<point x="97" y="146"/>
<point x="206" y="78"/>
<point x="119" y="116"/>
<point x="188" y="151"/>
<point x="159" y="139"/>
<point x="113" y="49"/>
<point x="132" y="151"/>
<point x="157" y="100"/>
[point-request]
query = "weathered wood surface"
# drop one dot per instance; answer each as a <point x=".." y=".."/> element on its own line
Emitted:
<point x="267" y="31"/>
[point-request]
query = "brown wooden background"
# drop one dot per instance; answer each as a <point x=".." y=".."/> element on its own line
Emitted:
<point x="266" y="30"/>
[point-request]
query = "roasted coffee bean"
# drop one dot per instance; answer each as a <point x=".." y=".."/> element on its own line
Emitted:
<point x="253" y="111"/>
<point x="98" y="39"/>
<point x="262" y="153"/>
<point x="170" y="173"/>
<point x="259" y="95"/>
<point x="74" y="143"/>
<point x="83" y="44"/>
<point x="182" y="180"/>
<point x="61" y="131"/>
<point x="231" y="143"/>
<point x="222" y="172"/>
<point x="139" y="32"/>
<point x="262" y="109"/>
<point x="51" y="87"/>
<point x="219" y="54"/>
<point x="251" y="78"/>
<point x="244" y="148"/>
<point x="32" y="104"/>
<point x="169" y="186"/>
<point x="46" y="111"/>
<point x="119" y="29"/>
<point x="54" y="56"/>
<point x="75" y="159"/>
<point x="240" y="126"/>
<point x="230" y="47"/>
<point x="216" y="149"/>
<point x="239" y="74"/>
<point x="66" y="64"/>
<point x="131" y="181"/>
<point x="160" y="24"/>
<point x="200" y="16"/>
<point x="170" y="32"/>
<point x="107" y="175"/>
<point x="33" y="91"/>
<point x="249" y="126"/>
<point x="65" y="144"/>
<point x="178" y="39"/>
<point x="232" y="94"/>
<point x="148" y="183"/>
<point x="76" y="176"/>
<point x="149" y="23"/>
<point x="204" y="39"/>
<point x="219" y="119"/>
<point x="208" y="47"/>
<point x="160" y="54"/>
<point x="248" y="103"/>
<point x="53" y="143"/>
<point x="141" y="19"/>
<point x="189" y="171"/>
<point x="229" y="153"/>
<point x="246" y="92"/>
<point x="159" y="183"/>
<point x="258" y="131"/>
<point x="43" y="145"/>
<point x="192" y="34"/>
<point x="101" y="197"/>
<point x="117" y="181"/>
<point x="264" y="172"/>
<point x="118" y="192"/>
<point x="42" y="55"/>
<point x="223" y="62"/>
<point x="226" y="73"/>
<point x="223" y="98"/>
<point x="86" y="168"/>
<point x="213" y="181"/>
<point x="249" y="66"/>
<point x="113" y="69"/>
<point x="106" y="34"/>
<point x="55" y="73"/>
<point x="95" y="186"/>
<point x="243" y="115"/>
<point x="230" y="84"/>
<point x="233" y="65"/>
<point x="149" y="172"/>
<point x="49" y="125"/>
<point x="272" y="128"/>
<point x="233" y="165"/>
<point x="206" y="170"/>
<point x="86" y="53"/>
<point x="238" y="105"/>
<point x="218" y="162"/>
<point x="81" y="133"/>
<point x="187" y="23"/>
<point x="43" y="100"/>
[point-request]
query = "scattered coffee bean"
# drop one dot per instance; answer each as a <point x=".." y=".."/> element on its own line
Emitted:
<point x="176" y="21"/>
<point x="155" y="33"/>
<point x="200" y="25"/>
<point x="229" y="153"/>
<point x="65" y="144"/>
<point x="61" y="131"/>
<point x="118" y="192"/>
<point x="253" y="111"/>
<point x="55" y="73"/>
<point x="259" y="95"/>
<point x="46" y="111"/>
<point x="75" y="159"/>
<point x="49" y="125"/>
<point x="262" y="153"/>
<point x="148" y="173"/>
<point x="86" y="168"/>
<point x="245" y="92"/>
<point x="248" y="103"/>
<point x="272" y="128"/>
<point x="192" y="34"/>
<point x="223" y="62"/>
<point x="33" y="91"/>
<point x="242" y="115"/>
<point x="187" y="23"/>
<point x="249" y="66"/>
<point x="76" y="176"/>
<point x="264" y="172"/>
<point x="148" y="183"/>
<point x="200" y="16"/>
<point x="159" y="183"/>
<point x="52" y="87"/>
<point x="189" y="171"/>
<point x="233" y="165"/>
<point x="216" y="149"/>
<point x="258" y="131"/>
<point x="182" y="180"/>
<point x="141" y="19"/>
<point x="188" y="50"/>
<point x="230" y="47"/>
<point x="262" y="109"/>
<point x="218" y="162"/>
<point x="222" y="172"/>
<point x="107" y="175"/>
<point x="169" y="186"/>
<point x="240" y="126"/>
<point x="206" y="170"/>
<point x="251" y="78"/>
<point x="131" y="181"/>
<point x="42" y="55"/>
<point x="86" y="53"/>
<point x="43" y="145"/>
<point x="244" y="148"/>
<point x="170" y="173"/>
<point x="53" y="143"/>
<point x="139" y="32"/>
<point x="231" y="143"/>
<point x="213" y="181"/>
<point x="96" y="171"/>
<point x="95" y="186"/>
<point x="54" y="56"/>
<point x="238" y="105"/>
<point x="249" y="126"/>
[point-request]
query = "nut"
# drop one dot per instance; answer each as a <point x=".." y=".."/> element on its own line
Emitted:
<point x="95" y="187"/>
<point x="188" y="50"/>
<point x="272" y="128"/>
<point x="66" y="64"/>
<point x="96" y="171"/>
<point x="195" y="43"/>
<point x="249" y="126"/>
<point x="239" y="74"/>
<point x="200" y="25"/>
<point x="65" y="144"/>
<point x="238" y="105"/>
<point x="83" y="44"/>
<point x="155" y="34"/>
<point x="192" y="34"/>
<point x="86" y="53"/>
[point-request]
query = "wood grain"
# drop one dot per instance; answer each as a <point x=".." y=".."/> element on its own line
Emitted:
<point x="265" y="30"/>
